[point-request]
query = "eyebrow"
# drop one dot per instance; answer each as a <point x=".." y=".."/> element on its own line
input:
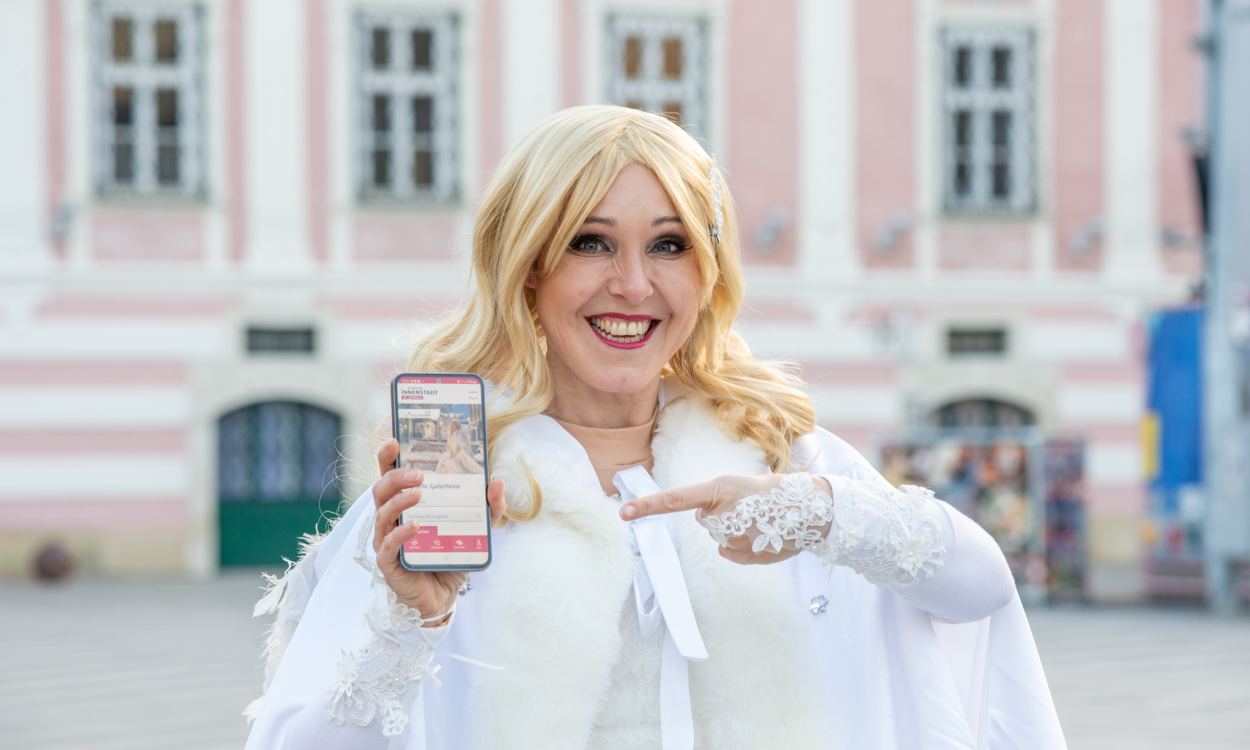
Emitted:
<point x="612" y="222"/>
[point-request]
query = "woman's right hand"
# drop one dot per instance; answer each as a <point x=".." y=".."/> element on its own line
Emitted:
<point x="430" y="593"/>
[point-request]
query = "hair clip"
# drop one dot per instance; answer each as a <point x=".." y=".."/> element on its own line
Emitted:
<point x="718" y="213"/>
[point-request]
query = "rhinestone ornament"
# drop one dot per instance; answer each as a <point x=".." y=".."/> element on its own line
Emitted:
<point x="718" y="212"/>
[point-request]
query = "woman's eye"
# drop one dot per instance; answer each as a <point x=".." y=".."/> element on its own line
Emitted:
<point x="589" y="244"/>
<point x="671" y="246"/>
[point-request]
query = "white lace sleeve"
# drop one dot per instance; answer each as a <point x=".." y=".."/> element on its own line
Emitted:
<point x="374" y="679"/>
<point x="936" y="558"/>
<point x="378" y="682"/>
<point x="371" y="696"/>
<point x="891" y="536"/>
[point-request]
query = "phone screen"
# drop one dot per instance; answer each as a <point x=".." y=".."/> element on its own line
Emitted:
<point x="440" y="423"/>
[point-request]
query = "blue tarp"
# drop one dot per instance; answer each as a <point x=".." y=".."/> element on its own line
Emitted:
<point x="1174" y="394"/>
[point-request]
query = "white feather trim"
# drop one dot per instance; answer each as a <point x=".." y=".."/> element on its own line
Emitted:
<point x="285" y="597"/>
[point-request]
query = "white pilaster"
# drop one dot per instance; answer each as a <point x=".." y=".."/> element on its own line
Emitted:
<point x="79" y="184"/>
<point x="342" y="140"/>
<point x="23" y="219"/>
<point x="1043" y="258"/>
<point x="827" y="251"/>
<point x="215" y="60"/>
<point x="928" y="141"/>
<point x="276" y="136"/>
<point x="1131" y="134"/>
<point x="470" y="73"/>
<point x="531" y="50"/>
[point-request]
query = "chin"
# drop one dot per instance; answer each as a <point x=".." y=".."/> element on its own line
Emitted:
<point x="621" y="381"/>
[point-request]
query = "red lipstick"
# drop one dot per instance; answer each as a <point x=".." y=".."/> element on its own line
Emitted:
<point x="624" y="344"/>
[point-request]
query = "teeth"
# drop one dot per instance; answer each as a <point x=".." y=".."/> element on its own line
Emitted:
<point x="627" y="331"/>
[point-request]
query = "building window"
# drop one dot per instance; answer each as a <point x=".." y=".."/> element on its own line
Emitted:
<point x="147" y="67"/>
<point x="965" y="342"/>
<point x="989" y="133"/>
<point x="406" y="114"/>
<point x="268" y="340"/>
<point x="659" y="63"/>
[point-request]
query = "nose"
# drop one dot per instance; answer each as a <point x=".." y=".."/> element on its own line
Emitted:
<point x="631" y="282"/>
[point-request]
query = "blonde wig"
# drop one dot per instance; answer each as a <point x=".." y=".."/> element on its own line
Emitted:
<point x="534" y="207"/>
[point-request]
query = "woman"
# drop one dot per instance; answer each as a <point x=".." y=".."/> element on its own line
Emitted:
<point x="457" y="458"/>
<point x="777" y="593"/>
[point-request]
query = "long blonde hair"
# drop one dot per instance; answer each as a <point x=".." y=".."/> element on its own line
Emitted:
<point x="534" y="206"/>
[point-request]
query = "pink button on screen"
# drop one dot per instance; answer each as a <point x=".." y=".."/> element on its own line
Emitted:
<point x="427" y="539"/>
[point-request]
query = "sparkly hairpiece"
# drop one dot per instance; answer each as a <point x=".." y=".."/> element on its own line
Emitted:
<point x="718" y="213"/>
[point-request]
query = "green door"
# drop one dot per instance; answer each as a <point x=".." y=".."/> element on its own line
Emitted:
<point x="276" y="479"/>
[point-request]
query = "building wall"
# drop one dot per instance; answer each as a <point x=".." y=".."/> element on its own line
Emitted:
<point x="824" y="116"/>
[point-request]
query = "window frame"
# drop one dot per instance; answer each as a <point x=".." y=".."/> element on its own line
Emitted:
<point x="983" y="100"/>
<point x="400" y="85"/>
<point x="145" y="77"/>
<point x="652" y="90"/>
<point x="977" y="342"/>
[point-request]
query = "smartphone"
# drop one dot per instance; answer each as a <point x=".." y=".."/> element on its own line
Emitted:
<point x="439" y="420"/>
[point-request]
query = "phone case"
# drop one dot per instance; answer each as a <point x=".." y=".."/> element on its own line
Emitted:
<point x="395" y="431"/>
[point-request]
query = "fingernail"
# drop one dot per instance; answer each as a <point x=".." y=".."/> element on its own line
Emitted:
<point x="412" y="475"/>
<point x="628" y="512"/>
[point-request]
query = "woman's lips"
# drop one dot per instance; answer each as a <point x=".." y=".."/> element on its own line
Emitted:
<point x="623" y="332"/>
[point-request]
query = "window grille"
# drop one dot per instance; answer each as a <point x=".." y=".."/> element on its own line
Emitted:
<point x="262" y="340"/>
<point x="988" y="85"/>
<point x="659" y="63"/>
<point x="984" y="413"/>
<point x="407" y="120"/>
<point x="961" y="342"/>
<point x="147" y="98"/>
<point x="278" y="451"/>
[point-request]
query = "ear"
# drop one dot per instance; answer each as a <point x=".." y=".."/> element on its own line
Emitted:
<point x="531" y="279"/>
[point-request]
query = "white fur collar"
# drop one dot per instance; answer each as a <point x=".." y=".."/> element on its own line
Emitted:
<point x="554" y="619"/>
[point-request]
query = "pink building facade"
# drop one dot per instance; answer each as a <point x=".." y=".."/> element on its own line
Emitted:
<point x="212" y="205"/>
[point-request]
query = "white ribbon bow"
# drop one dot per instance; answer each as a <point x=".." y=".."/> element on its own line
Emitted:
<point x="660" y="596"/>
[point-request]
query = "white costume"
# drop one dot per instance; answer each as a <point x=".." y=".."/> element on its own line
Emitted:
<point x="934" y="652"/>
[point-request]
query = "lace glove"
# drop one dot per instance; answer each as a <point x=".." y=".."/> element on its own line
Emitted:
<point x="796" y="511"/>
<point x="890" y="536"/>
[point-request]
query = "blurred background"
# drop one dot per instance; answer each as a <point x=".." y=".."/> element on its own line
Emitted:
<point x="1006" y="241"/>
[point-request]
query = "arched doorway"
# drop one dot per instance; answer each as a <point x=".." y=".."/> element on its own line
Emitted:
<point x="276" y="479"/>
<point x="985" y="456"/>
<point x="992" y="472"/>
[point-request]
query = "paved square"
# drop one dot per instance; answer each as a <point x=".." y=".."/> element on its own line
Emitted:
<point x="139" y="665"/>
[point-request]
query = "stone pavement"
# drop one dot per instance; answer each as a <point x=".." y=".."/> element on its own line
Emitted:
<point x="1142" y="679"/>
<point x="139" y="665"/>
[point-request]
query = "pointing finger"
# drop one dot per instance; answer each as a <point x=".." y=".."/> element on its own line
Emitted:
<point x="694" y="497"/>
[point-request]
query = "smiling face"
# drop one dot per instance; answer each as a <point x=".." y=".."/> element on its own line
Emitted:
<point x="620" y="302"/>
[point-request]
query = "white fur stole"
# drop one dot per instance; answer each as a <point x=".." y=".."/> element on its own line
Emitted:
<point x="553" y="616"/>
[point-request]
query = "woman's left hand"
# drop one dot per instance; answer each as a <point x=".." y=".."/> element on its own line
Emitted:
<point x="715" y="498"/>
